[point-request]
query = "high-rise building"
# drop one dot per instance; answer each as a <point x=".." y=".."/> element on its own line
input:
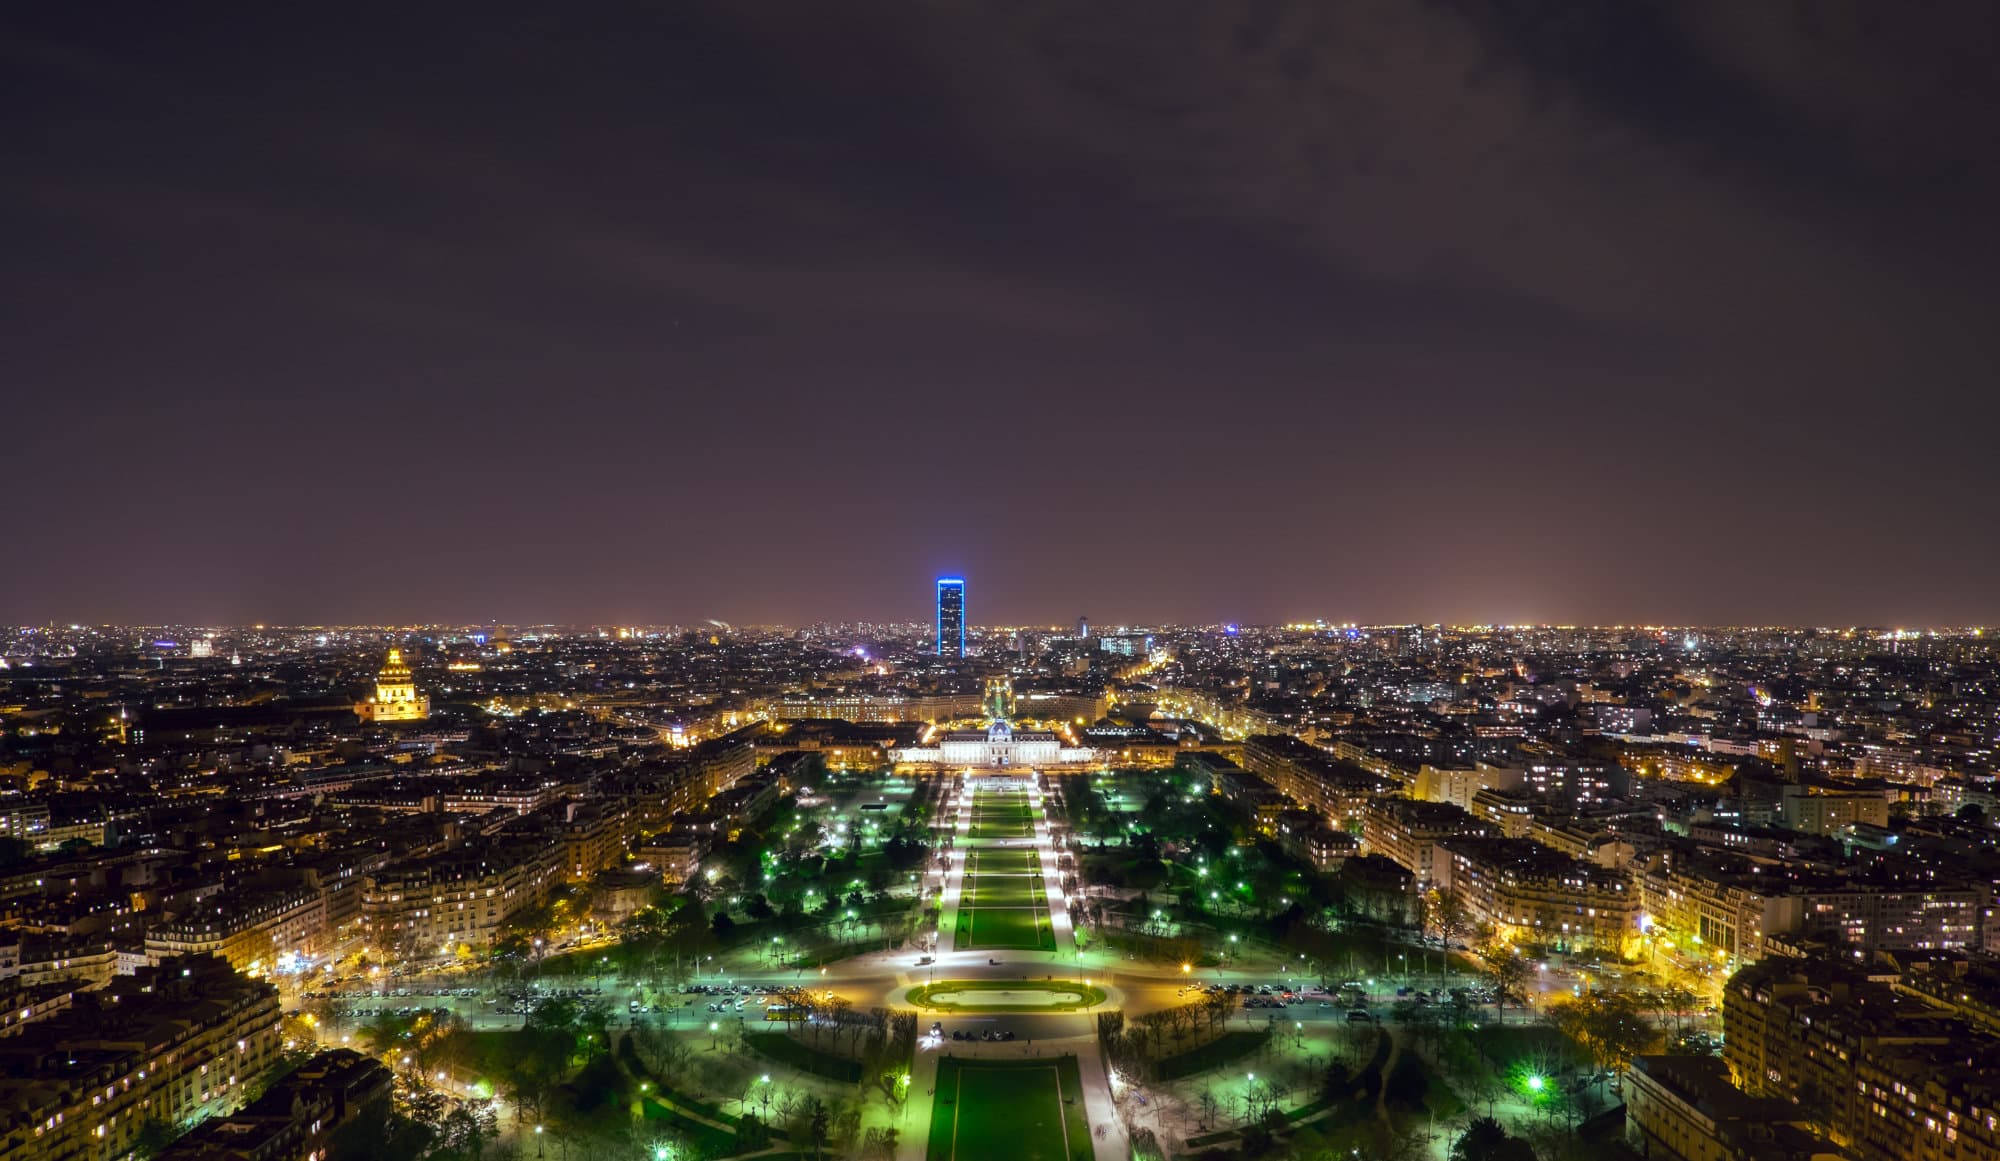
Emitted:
<point x="951" y="616"/>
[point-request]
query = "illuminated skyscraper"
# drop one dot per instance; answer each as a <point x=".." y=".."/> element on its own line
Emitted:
<point x="951" y="616"/>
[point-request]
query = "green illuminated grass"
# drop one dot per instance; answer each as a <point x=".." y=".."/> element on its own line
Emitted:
<point x="1016" y="1110"/>
<point x="1005" y="929"/>
<point x="1004" y="891"/>
<point x="995" y="861"/>
<point x="1006" y="995"/>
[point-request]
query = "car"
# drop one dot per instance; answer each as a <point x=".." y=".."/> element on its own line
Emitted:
<point x="1359" y="1016"/>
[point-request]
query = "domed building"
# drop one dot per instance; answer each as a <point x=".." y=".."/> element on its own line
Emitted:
<point x="998" y="746"/>
<point x="396" y="698"/>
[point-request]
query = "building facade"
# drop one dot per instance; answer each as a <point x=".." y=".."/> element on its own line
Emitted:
<point x="175" y="1042"/>
<point x="1886" y="1076"/>
<point x="250" y="933"/>
<point x="434" y="906"/>
<point x="951" y="617"/>
<point x="396" y="698"/>
<point x="1527" y="893"/>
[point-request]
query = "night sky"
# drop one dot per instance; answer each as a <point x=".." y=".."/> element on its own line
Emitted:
<point x="771" y="312"/>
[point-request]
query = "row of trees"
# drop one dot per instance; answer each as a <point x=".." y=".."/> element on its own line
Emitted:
<point x="1136" y="1047"/>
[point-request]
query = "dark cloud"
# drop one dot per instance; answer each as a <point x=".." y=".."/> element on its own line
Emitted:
<point x="1367" y="310"/>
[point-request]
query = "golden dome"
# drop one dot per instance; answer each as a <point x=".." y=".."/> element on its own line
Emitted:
<point x="393" y="670"/>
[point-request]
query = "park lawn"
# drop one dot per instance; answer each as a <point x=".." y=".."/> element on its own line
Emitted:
<point x="785" y="1050"/>
<point x="1223" y="1050"/>
<point x="707" y="1140"/>
<point x="1508" y="1045"/>
<point x="995" y="861"/>
<point x="1003" y="891"/>
<point x="1065" y="995"/>
<point x="1001" y="828"/>
<point x="1000" y="831"/>
<point x="485" y="1053"/>
<point x="1009" y="1110"/>
<point x="1007" y="928"/>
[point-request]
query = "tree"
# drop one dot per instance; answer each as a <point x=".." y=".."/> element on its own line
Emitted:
<point x="819" y="1125"/>
<point x="1610" y="1026"/>
<point x="1336" y="1082"/>
<point x="723" y="925"/>
<point x="1445" y="911"/>
<point x="1485" y="1140"/>
<point x="1509" y="976"/>
<point x="1678" y="1002"/>
<point x="299" y="1035"/>
<point x="154" y="1137"/>
<point x="1973" y="813"/>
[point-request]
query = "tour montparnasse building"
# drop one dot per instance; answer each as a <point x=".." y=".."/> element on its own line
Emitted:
<point x="396" y="698"/>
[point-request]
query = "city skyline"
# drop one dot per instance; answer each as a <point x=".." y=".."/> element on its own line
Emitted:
<point x="510" y="886"/>
<point x="1882" y="631"/>
<point x="1000" y="580"/>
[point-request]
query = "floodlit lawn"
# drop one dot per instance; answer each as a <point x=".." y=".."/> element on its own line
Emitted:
<point x="1003" y="891"/>
<point x="1002" y="816"/>
<point x="1006" y="928"/>
<point x="711" y="1142"/>
<point x="1000" y="830"/>
<point x="1015" y="1110"/>
<point x="1227" y="1049"/>
<point x="992" y="861"/>
<point x="1006" y="995"/>
<point x="991" y="827"/>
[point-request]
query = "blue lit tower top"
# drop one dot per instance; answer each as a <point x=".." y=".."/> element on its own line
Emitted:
<point x="951" y="616"/>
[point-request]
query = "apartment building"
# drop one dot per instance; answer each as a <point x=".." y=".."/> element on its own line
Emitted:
<point x="177" y="1041"/>
<point x="1530" y="894"/>
<point x="251" y="932"/>
<point x="1883" y="1074"/>
<point x="459" y="898"/>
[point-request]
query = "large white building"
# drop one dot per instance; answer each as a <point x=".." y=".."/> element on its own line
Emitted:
<point x="997" y="747"/>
